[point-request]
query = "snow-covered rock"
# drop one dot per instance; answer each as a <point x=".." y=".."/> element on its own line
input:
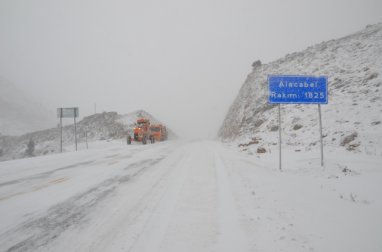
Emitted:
<point x="352" y="118"/>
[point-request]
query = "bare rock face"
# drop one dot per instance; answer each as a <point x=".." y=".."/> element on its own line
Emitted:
<point x="256" y="64"/>
<point x="353" y="65"/>
<point x="297" y="126"/>
<point x="261" y="150"/>
<point x="348" y="138"/>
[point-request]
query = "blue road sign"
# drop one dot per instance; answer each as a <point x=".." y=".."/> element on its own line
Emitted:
<point x="298" y="89"/>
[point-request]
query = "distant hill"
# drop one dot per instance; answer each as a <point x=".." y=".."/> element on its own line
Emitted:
<point x="19" y="113"/>
<point x="351" y="120"/>
<point x="101" y="126"/>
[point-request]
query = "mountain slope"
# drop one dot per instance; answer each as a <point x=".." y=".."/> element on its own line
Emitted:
<point x="352" y="119"/>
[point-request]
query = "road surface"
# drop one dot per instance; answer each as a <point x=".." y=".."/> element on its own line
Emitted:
<point x="171" y="196"/>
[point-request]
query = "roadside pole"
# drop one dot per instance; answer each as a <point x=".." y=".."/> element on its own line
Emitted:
<point x="61" y="132"/>
<point x="75" y="132"/>
<point x="86" y="137"/>
<point x="280" y="137"/>
<point x="322" y="144"/>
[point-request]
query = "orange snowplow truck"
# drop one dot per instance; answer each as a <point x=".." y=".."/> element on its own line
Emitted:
<point x="159" y="132"/>
<point x="142" y="131"/>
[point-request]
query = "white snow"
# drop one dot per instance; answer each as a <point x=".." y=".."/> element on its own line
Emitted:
<point x="210" y="196"/>
<point x="353" y="66"/>
<point x="190" y="196"/>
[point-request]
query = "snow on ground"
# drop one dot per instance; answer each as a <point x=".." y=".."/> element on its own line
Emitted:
<point x="190" y="196"/>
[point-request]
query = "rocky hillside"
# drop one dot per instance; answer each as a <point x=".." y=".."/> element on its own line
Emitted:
<point x="102" y="126"/>
<point x="351" y="119"/>
<point x="19" y="113"/>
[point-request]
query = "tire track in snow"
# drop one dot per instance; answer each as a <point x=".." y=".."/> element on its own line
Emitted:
<point x="128" y="230"/>
<point x="39" y="232"/>
<point x="156" y="225"/>
<point x="34" y="180"/>
<point x="232" y="236"/>
<point x="45" y="174"/>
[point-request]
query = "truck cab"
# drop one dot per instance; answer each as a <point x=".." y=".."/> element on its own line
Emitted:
<point x="159" y="132"/>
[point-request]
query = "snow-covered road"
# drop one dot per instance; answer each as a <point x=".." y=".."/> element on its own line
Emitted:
<point x="183" y="196"/>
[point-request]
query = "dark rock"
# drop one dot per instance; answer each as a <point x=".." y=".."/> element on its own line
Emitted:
<point x="297" y="126"/>
<point x="353" y="146"/>
<point x="255" y="141"/>
<point x="258" y="123"/>
<point x="256" y="64"/>
<point x="274" y="128"/>
<point x="372" y="76"/>
<point x="348" y="138"/>
<point x="261" y="150"/>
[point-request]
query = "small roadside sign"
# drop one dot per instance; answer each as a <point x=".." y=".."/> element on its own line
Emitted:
<point x="67" y="112"/>
<point x="298" y="89"/>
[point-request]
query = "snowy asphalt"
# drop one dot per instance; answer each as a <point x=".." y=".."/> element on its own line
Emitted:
<point x="172" y="196"/>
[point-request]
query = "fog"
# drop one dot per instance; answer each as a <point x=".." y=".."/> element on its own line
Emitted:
<point x="182" y="61"/>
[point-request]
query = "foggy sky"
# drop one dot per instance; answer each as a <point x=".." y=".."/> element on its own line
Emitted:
<point x="182" y="61"/>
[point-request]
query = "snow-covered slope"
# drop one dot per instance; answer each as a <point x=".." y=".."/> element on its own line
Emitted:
<point x="351" y="120"/>
<point x="102" y="126"/>
<point x="19" y="113"/>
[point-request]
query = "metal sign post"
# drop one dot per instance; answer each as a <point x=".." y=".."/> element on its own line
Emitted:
<point x="61" y="133"/>
<point x="296" y="89"/>
<point x="321" y="141"/>
<point x="59" y="115"/>
<point x="280" y="137"/>
<point x="75" y="132"/>
<point x="86" y="139"/>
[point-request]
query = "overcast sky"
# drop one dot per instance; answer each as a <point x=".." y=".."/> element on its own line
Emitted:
<point x="182" y="61"/>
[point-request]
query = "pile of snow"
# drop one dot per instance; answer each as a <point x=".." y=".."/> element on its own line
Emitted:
<point x="101" y="126"/>
<point x="20" y="113"/>
<point x="352" y="118"/>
